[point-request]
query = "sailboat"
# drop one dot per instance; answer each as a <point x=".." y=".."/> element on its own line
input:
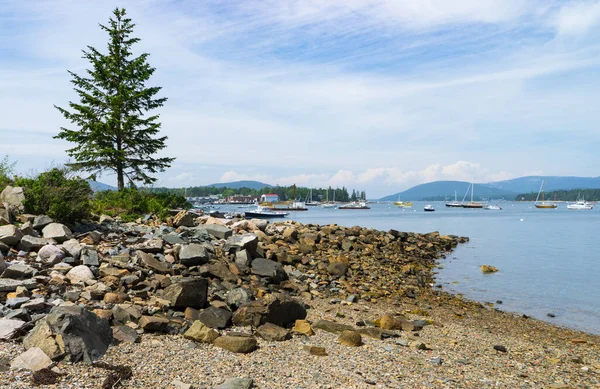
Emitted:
<point x="543" y="204"/>
<point x="455" y="203"/>
<point x="472" y="204"/>
<point x="328" y="204"/>
<point x="309" y="201"/>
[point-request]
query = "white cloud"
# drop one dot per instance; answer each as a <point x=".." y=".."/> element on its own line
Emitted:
<point x="575" y="19"/>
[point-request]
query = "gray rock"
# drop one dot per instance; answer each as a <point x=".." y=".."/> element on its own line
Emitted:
<point x="41" y="221"/>
<point x="105" y="219"/>
<point x="16" y="302"/>
<point x="89" y="257"/>
<point x="218" y="231"/>
<point x="84" y="336"/>
<point x="72" y="247"/>
<point x="267" y="268"/>
<point x="200" y="233"/>
<point x="10" y="235"/>
<point x="36" y="304"/>
<point x="125" y="334"/>
<point x="151" y="262"/>
<point x="236" y="383"/>
<point x="10" y="285"/>
<point x="58" y="232"/>
<point x="261" y="224"/>
<point x="187" y="293"/>
<point x="10" y="327"/>
<point x="243" y="259"/>
<point x="33" y="359"/>
<point x="154" y="245"/>
<point x="215" y="317"/>
<point x="173" y="238"/>
<point x="238" y="297"/>
<point x="26" y="229"/>
<point x="31" y="243"/>
<point x="49" y="253"/>
<point x="13" y="198"/>
<point x="124" y="313"/>
<point x="193" y="254"/>
<point x="242" y="242"/>
<point x="18" y="271"/>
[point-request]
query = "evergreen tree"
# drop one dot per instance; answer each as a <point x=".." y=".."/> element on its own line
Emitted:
<point x="113" y="131"/>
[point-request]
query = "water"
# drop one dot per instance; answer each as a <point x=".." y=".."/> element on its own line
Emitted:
<point x="549" y="260"/>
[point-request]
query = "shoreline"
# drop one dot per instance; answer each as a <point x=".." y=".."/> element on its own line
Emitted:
<point x="350" y="276"/>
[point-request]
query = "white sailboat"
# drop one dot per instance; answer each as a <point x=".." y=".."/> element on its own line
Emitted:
<point x="328" y="204"/>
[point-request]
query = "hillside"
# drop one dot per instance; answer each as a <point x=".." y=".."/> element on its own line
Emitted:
<point x="99" y="186"/>
<point x="508" y="189"/>
<point x="256" y="185"/>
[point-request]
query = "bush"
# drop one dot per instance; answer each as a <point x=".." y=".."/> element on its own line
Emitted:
<point x="131" y="204"/>
<point x="6" y="172"/>
<point x="56" y="193"/>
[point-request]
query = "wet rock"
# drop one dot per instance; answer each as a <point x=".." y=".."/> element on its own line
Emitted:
<point x="58" y="232"/>
<point x="10" y="235"/>
<point x="218" y="231"/>
<point x="71" y="332"/>
<point x="236" y="344"/>
<point x="187" y="293"/>
<point x="33" y="359"/>
<point x="270" y="269"/>
<point x="215" y="317"/>
<point x="201" y="333"/>
<point x="193" y="254"/>
<point x="273" y="333"/>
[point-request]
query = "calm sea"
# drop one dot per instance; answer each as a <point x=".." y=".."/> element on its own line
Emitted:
<point x="549" y="260"/>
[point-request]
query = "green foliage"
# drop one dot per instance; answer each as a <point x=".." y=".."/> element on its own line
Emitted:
<point x="563" y="195"/>
<point x="56" y="193"/>
<point x="131" y="204"/>
<point x="6" y="172"/>
<point x="112" y="129"/>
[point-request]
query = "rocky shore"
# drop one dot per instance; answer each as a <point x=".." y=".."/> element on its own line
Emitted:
<point x="204" y="302"/>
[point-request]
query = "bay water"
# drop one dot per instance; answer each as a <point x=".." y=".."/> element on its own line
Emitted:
<point x="549" y="259"/>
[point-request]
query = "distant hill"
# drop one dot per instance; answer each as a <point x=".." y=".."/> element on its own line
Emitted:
<point x="509" y="189"/>
<point x="256" y="185"/>
<point x="99" y="186"/>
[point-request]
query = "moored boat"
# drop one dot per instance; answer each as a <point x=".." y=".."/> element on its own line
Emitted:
<point x="263" y="212"/>
<point x="355" y="205"/>
<point x="429" y="208"/>
<point x="580" y="204"/>
<point x="492" y="207"/>
<point x="403" y="204"/>
<point x="472" y="204"/>
<point x="455" y="203"/>
<point x="544" y="204"/>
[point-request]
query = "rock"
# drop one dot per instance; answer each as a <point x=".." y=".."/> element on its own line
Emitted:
<point x="500" y="348"/>
<point x="18" y="271"/>
<point x="273" y="333"/>
<point x="350" y="338"/>
<point x="318" y="351"/>
<point x="72" y="247"/>
<point x="550" y="315"/>
<point x="89" y="257"/>
<point x="215" y="317"/>
<point x="303" y="327"/>
<point x="243" y="259"/>
<point x="184" y="218"/>
<point x="238" y="297"/>
<point x="125" y="334"/>
<point x="187" y="293"/>
<point x="105" y="219"/>
<point x="73" y="332"/>
<point x="33" y="359"/>
<point x="193" y="254"/>
<point x="13" y="198"/>
<point x="9" y="285"/>
<point x="10" y="327"/>
<point x="58" y="232"/>
<point x="36" y="304"/>
<point x="199" y="332"/>
<point x="281" y="311"/>
<point x="115" y="298"/>
<point x="80" y="273"/>
<point x="31" y="243"/>
<point x="41" y="221"/>
<point x="151" y="262"/>
<point x="333" y="327"/>
<point x="50" y="251"/>
<point x="270" y="269"/>
<point x="153" y="324"/>
<point x="154" y="245"/>
<point x="218" y="231"/>
<point x="236" y="344"/>
<point x="337" y="269"/>
<point x="124" y="313"/>
<point x="10" y="235"/>
<point x="488" y="269"/>
<point x="236" y="383"/>
<point x="16" y="302"/>
<point x="242" y="242"/>
<point x="180" y="385"/>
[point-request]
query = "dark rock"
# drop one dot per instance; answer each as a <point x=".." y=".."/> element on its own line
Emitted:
<point x="218" y="231"/>
<point x="550" y="315"/>
<point x="125" y="334"/>
<point x="187" y="293"/>
<point x="16" y="302"/>
<point x="18" y="271"/>
<point x="149" y="261"/>
<point x="281" y="311"/>
<point x="31" y="243"/>
<point x="238" y="297"/>
<point x="83" y="334"/>
<point x="89" y="257"/>
<point x="500" y="348"/>
<point x="337" y="269"/>
<point x="41" y="221"/>
<point x="193" y="254"/>
<point x="247" y="242"/>
<point x="215" y="317"/>
<point x="350" y="338"/>
<point x="123" y="313"/>
<point x="270" y="269"/>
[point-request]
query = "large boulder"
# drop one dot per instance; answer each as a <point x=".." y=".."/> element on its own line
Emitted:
<point x="149" y="261"/>
<point x="58" y="232"/>
<point x="218" y="231"/>
<point x="13" y="198"/>
<point x="10" y="235"/>
<point x="41" y="221"/>
<point x="279" y="310"/>
<point x="50" y="253"/>
<point x="33" y="359"/>
<point x="184" y="218"/>
<point x="193" y="254"/>
<point x="215" y="317"/>
<point x="18" y="271"/>
<point x="71" y="332"/>
<point x="242" y="242"/>
<point x="187" y="293"/>
<point x="270" y="269"/>
<point x="31" y="243"/>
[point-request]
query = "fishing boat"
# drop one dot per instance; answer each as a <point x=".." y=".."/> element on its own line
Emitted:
<point x="355" y="205"/>
<point x="580" y="204"/>
<point x="264" y="213"/>
<point x="429" y="208"/>
<point x="492" y="207"/>
<point x="543" y="204"/>
<point x="471" y="204"/>
<point x="455" y="203"/>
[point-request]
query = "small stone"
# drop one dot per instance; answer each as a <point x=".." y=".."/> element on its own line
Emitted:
<point x="500" y="348"/>
<point x="315" y="350"/>
<point x="488" y="269"/>
<point x="550" y="315"/>
<point x="350" y="338"/>
<point x="236" y="344"/>
<point x="437" y="361"/>
<point x="273" y="332"/>
<point x="180" y="385"/>
<point x="236" y="383"/>
<point x="303" y="327"/>
<point x="33" y="359"/>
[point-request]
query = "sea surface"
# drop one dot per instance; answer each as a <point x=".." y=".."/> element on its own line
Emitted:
<point x="549" y="259"/>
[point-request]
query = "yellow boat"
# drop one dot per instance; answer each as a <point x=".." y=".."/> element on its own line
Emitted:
<point x="403" y="204"/>
<point x="544" y="204"/>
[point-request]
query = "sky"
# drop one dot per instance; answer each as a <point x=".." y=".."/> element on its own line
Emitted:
<point x="376" y="95"/>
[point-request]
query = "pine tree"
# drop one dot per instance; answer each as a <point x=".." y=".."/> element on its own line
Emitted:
<point x="114" y="131"/>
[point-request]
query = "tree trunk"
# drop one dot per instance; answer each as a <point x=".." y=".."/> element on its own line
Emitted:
<point x="120" y="180"/>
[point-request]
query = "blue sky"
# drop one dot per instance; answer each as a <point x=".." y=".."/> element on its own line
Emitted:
<point x="374" y="95"/>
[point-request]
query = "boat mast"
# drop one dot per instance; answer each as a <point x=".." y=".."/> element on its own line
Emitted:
<point x="540" y="191"/>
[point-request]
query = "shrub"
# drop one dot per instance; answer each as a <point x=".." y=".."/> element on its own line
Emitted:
<point x="56" y="193"/>
<point x="6" y="172"/>
<point x="131" y="204"/>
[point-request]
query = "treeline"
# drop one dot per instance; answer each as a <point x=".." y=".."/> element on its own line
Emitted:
<point x="284" y="192"/>
<point x="563" y="195"/>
